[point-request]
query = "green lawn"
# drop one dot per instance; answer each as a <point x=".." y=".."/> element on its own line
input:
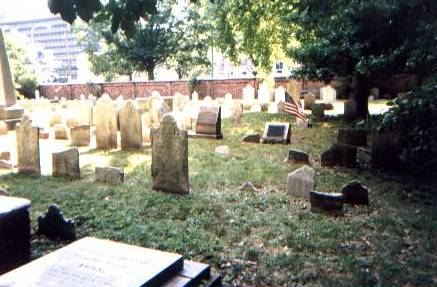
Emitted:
<point x="266" y="238"/>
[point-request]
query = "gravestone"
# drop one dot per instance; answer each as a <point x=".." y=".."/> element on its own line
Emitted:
<point x="180" y="102"/>
<point x="66" y="163"/>
<point x="294" y="89"/>
<point x="272" y="108"/>
<point x="328" y="94"/>
<point x="256" y="107"/>
<point x="276" y="133"/>
<point x="28" y="147"/>
<point x="209" y="123"/>
<point x="350" y="110"/>
<point x="252" y="138"/>
<point x="146" y="125"/>
<point x="385" y="149"/>
<point x="14" y="233"/>
<point x="143" y="104"/>
<point x="297" y="156"/>
<point x="248" y="97"/>
<point x="264" y="94"/>
<point x="355" y="193"/>
<point x="91" y="262"/>
<point x="236" y="112"/>
<point x="170" y="157"/>
<point x="339" y="155"/>
<point x="279" y="94"/>
<point x="331" y="203"/>
<point x="111" y="175"/>
<point x="130" y="127"/>
<point x="308" y="101"/>
<point x="80" y="135"/>
<point x="106" y="123"/>
<point x="318" y="111"/>
<point x="55" y="226"/>
<point x="8" y="110"/>
<point x="60" y="132"/>
<point x="301" y="181"/>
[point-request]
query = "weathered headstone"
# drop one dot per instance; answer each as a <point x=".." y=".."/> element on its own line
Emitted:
<point x="350" y="110"/>
<point x="331" y="203"/>
<point x="55" y="226"/>
<point x="264" y="94"/>
<point x="248" y="97"/>
<point x="106" y="123"/>
<point x="276" y="133"/>
<point x="339" y="155"/>
<point x="111" y="175"/>
<point x="297" y="156"/>
<point x="28" y="147"/>
<point x="209" y="122"/>
<point x="14" y="233"/>
<point x="355" y="193"/>
<point x="308" y="100"/>
<point x="355" y="137"/>
<point x="170" y="157"/>
<point x="236" y="112"/>
<point x="66" y="163"/>
<point x="318" y="111"/>
<point x="80" y="135"/>
<point x="301" y="181"/>
<point x="280" y="107"/>
<point x="180" y="102"/>
<point x="328" y="94"/>
<point x="130" y="127"/>
<point x="60" y="132"/>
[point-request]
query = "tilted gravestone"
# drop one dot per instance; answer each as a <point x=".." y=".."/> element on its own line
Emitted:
<point x="28" y="147"/>
<point x="130" y="127"/>
<point x="14" y="233"/>
<point x="106" y="123"/>
<point x="66" y="163"/>
<point x="276" y="133"/>
<point x="209" y="122"/>
<point x="170" y="157"/>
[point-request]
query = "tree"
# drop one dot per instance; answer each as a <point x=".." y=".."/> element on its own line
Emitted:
<point x="22" y="68"/>
<point x="253" y="28"/>
<point x="193" y="42"/>
<point x="364" y="40"/>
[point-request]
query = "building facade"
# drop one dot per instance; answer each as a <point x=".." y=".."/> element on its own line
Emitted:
<point x="51" y="38"/>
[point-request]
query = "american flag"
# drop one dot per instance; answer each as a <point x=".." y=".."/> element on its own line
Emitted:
<point x="293" y="108"/>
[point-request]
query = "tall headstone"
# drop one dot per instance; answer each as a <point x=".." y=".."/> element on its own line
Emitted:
<point x="7" y="90"/>
<point x="106" y="123"/>
<point x="170" y="157"/>
<point x="28" y="147"/>
<point x="130" y="127"/>
<point x="264" y="94"/>
<point x="328" y="94"/>
<point x="248" y="97"/>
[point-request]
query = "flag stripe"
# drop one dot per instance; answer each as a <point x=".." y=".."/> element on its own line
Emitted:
<point x="293" y="108"/>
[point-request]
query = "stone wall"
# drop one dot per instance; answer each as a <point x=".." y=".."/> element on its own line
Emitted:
<point x="131" y="90"/>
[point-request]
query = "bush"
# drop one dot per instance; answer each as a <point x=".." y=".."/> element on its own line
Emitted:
<point x="27" y="85"/>
<point x="415" y="116"/>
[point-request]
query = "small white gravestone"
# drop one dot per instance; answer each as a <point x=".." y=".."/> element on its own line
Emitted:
<point x="228" y="97"/>
<point x="207" y="102"/>
<point x="264" y="94"/>
<point x="248" y="97"/>
<point x="328" y="95"/>
<point x="194" y="96"/>
<point x="279" y="94"/>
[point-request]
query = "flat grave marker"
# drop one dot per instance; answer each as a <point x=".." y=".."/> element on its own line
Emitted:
<point x="276" y="133"/>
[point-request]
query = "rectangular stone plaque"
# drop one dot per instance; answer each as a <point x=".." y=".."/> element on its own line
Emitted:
<point x="276" y="133"/>
<point x="91" y="262"/>
<point x="209" y="121"/>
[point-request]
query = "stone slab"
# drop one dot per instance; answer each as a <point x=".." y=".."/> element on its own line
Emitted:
<point x="192" y="274"/>
<point x="9" y="204"/>
<point x="92" y="262"/>
<point x="276" y="133"/>
<point x="209" y="121"/>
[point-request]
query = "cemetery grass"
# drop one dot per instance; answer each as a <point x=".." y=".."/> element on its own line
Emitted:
<point x="267" y="238"/>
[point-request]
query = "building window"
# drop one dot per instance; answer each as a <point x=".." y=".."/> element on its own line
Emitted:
<point x="279" y="67"/>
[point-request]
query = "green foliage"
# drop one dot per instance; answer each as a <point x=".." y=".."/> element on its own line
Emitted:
<point x="22" y="68"/>
<point x="415" y="116"/>
<point x="251" y="28"/>
<point x="193" y="81"/>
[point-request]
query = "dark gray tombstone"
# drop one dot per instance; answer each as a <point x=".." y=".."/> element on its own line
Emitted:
<point x="339" y="155"/>
<point x="331" y="203"/>
<point x="55" y="226"/>
<point x="92" y="262"/>
<point x="14" y="233"/>
<point x="209" y="123"/>
<point x="276" y="133"/>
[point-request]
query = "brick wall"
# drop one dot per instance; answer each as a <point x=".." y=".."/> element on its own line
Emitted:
<point x="131" y="90"/>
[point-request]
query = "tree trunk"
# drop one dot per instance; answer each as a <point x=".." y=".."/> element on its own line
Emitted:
<point x="360" y="90"/>
<point x="150" y="74"/>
